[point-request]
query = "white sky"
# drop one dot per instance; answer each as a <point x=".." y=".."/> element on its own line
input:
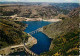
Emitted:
<point x="74" y="1"/>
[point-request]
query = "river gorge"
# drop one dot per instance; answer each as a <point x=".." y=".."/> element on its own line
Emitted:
<point x="43" y="41"/>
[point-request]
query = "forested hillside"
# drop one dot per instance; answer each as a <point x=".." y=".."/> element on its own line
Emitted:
<point x="65" y="35"/>
<point x="11" y="32"/>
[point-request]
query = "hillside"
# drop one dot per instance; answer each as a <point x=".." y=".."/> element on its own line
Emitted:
<point x="65" y="8"/>
<point x="65" y="35"/>
<point x="32" y="11"/>
<point x="11" y="32"/>
<point x="37" y="10"/>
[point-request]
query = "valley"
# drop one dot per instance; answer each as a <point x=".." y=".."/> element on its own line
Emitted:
<point x="59" y="21"/>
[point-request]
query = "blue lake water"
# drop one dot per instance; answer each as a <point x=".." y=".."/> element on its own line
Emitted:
<point x="43" y="42"/>
<point x="33" y="25"/>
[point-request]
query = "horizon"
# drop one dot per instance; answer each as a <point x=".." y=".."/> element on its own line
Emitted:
<point x="40" y="1"/>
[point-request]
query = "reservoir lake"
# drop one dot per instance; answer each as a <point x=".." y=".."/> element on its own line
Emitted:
<point x="43" y="41"/>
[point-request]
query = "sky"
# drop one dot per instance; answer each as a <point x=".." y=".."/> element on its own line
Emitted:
<point x="57" y="1"/>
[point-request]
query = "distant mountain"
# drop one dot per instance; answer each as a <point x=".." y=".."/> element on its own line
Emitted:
<point x="74" y="12"/>
<point x="23" y="3"/>
<point x="65" y="7"/>
<point x="36" y="10"/>
<point x="68" y="6"/>
<point x="32" y="11"/>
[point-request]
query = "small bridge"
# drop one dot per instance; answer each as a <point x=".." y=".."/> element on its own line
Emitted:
<point x="36" y="31"/>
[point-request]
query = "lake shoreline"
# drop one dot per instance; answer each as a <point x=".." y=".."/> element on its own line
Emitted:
<point x="40" y="19"/>
<point x="34" y="19"/>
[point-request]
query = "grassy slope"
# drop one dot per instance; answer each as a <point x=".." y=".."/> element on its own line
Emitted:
<point x="65" y="35"/>
<point x="11" y="33"/>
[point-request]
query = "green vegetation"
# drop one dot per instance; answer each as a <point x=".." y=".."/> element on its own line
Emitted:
<point x="30" y="11"/>
<point x="65" y="35"/>
<point x="5" y="11"/>
<point x="11" y="32"/>
<point x="66" y="44"/>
